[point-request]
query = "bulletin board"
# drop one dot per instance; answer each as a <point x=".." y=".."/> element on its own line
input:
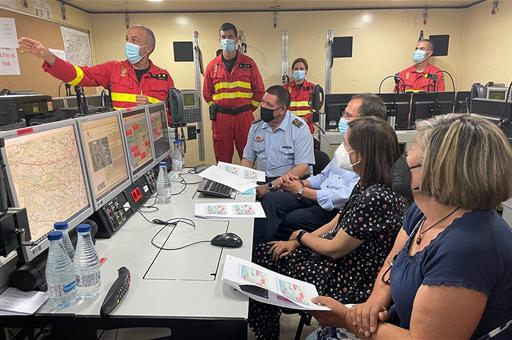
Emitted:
<point x="32" y="75"/>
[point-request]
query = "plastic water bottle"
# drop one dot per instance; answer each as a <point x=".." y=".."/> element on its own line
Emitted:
<point x="63" y="227"/>
<point x="87" y="264"/>
<point x="60" y="277"/>
<point x="176" y="158"/>
<point x="163" y="185"/>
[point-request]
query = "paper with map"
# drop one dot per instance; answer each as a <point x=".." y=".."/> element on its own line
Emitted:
<point x="243" y="172"/>
<point x="229" y="210"/>
<point x="76" y="46"/>
<point x="222" y="176"/>
<point x="266" y="286"/>
<point x="47" y="175"/>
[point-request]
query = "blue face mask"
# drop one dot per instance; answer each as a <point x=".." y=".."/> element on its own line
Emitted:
<point x="342" y="126"/>
<point x="418" y="56"/>
<point x="298" y="75"/>
<point x="131" y="51"/>
<point x="228" y="45"/>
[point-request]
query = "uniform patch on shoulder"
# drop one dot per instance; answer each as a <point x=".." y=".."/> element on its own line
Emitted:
<point x="245" y="65"/>
<point x="297" y="122"/>
<point x="160" y="76"/>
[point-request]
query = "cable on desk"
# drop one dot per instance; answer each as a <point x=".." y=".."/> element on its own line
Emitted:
<point x="174" y="225"/>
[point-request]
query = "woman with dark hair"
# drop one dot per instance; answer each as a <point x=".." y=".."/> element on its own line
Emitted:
<point x="343" y="257"/>
<point x="300" y="92"/>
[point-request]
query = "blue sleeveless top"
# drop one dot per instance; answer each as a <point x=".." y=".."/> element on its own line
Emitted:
<point x="475" y="252"/>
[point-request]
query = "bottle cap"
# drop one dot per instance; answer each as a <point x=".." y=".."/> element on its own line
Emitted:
<point x="54" y="235"/>
<point x="83" y="228"/>
<point x="60" y="225"/>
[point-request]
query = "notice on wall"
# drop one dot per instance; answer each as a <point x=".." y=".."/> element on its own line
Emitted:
<point x="8" y="36"/>
<point x="9" y="64"/>
<point x="76" y="46"/>
<point x="43" y="9"/>
<point x="9" y="4"/>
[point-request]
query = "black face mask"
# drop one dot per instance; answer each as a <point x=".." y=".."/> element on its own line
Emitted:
<point x="401" y="178"/>
<point x="267" y="115"/>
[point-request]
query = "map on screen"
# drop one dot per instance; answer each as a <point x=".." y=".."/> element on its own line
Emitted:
<point x="139" y="142"/>
<point x="47" y="175"/>
<point x="156" y="124"/>
<point x="103" y="147"/>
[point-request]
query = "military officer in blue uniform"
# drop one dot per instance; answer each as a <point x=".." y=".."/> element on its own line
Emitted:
<point x="279" y="143"/>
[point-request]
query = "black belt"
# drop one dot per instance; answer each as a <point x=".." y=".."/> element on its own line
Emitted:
<point x="234" y="110"/>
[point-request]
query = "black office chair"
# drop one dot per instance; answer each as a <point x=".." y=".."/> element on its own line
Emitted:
<point x="321" y="161"/>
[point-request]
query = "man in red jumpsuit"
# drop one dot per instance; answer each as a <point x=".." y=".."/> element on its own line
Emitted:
<point x="233" y="88"/>
<point x="134" y="81"/>
<point x="422" y="76"/>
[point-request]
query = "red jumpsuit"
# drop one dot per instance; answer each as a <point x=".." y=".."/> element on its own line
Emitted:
<point x="301" y="98"/>
<point x="237" y="95"/>
<point x="421" y="81"/>
<point x="119" y="76"/>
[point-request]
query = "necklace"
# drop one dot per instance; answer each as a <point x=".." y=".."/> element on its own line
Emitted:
<point x="419" y="237"/>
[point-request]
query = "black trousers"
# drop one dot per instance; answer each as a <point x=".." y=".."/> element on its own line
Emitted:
<point x="285" y="214"/>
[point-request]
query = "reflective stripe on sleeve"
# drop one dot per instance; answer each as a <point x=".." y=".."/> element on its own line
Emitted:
<point x="79" y="76"/>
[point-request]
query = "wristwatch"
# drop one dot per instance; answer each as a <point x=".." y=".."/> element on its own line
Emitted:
<point x="300" y="192"/>
<point x="299" y="236"/>
<point x="271" y="187"/>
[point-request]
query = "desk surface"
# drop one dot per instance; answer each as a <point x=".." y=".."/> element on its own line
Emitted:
<point x="170" y="297"/>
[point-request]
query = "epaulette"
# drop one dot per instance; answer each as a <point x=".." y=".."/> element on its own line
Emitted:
<point x="297" y="122"/>
<point x="160" y="76"/>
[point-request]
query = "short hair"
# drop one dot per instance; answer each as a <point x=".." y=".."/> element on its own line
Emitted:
<point x="282" y="94"/>
<point x="467" y="162"/>
<point x="227" y="26"/>
<point x="372" y="105"/>
<point x="429" y="42"/>
<point x="300" y="60"/>
<point x="149" y="33"/>
<point x="377" y="143"/>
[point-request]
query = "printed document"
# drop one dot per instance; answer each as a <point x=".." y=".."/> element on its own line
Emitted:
<point x="225" y="177"/>
<point x="229" y="210"/>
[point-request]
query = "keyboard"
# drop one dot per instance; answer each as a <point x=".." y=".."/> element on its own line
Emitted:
<point x="210" y="188"/>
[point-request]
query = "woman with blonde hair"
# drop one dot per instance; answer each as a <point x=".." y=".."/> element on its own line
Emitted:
<point x="449" y="273"/>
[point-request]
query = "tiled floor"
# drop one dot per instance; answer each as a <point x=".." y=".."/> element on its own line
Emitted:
<point x="289" y="325"/>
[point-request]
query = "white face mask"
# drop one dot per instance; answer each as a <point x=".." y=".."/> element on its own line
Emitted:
<point x="342" y="158"/>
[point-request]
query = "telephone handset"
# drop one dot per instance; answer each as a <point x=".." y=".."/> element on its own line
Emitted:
<point x="176" y="107"/>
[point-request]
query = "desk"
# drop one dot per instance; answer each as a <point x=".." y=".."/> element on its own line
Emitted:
<point x="199" y="305"/>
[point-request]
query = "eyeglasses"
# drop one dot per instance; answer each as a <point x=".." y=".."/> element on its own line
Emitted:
<point x="348" y="115"/>
<point x="388" y="272"/>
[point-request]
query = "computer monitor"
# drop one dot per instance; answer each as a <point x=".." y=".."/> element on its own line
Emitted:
<point x="159" y="131"/>
<point x="427" y="105"/>
<point x="71" y="102"/>
<point x="138" y="141"/>
<point x="105" y="155"/>
<point x="46" y="175"/>
<point x="58" y="103"/>
<point x="94" y="100"/>
<point x="398" y="108"/>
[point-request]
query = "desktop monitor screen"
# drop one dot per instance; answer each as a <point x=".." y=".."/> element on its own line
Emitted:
<point x="105" y="155"/>
<point x="138" y="140"/>
<point x="46" y="174"/>
<point x="159" y="131"/>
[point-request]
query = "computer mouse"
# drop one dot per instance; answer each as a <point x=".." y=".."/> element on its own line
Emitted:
<point x="201" y="167"/>
<point x="228" y="240"/>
